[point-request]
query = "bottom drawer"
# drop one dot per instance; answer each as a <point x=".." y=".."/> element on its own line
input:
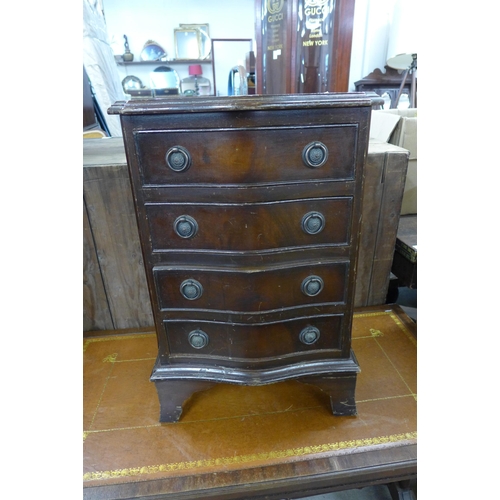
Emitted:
<point x="251" y="344"/>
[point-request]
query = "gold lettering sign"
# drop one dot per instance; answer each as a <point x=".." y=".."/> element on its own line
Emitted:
<point x="315" y="3"/>
<point x="275" y="6"/>
<point x="315" y="12"/>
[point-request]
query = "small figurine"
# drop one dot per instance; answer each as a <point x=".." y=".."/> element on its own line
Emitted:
<point x="128" y="56"/>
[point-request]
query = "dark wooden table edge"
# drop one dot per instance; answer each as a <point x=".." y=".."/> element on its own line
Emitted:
<point x="273" y="482"/>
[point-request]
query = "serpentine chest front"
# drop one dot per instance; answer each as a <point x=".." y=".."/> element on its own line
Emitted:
<point x="248" y="210"/>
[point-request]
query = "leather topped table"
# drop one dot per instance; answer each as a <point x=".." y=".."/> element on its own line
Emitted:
<point x="272" y="441"/>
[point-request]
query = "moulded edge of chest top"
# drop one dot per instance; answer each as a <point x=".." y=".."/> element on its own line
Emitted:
<point x="187" y="104"/>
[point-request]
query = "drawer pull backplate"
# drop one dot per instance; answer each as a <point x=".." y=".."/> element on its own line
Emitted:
<point x="309" y="335"/>
<point x="312" y="286"/>
<point x="178" y="159"/>
<point x="313" y="223"/>
<point x="198" y="339"/>
<point x="185" y="226"/>
<point x="315" y="154"/>
<point x="191" y="289"/>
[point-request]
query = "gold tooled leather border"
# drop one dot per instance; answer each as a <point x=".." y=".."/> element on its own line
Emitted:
<point x="245" y="459"/>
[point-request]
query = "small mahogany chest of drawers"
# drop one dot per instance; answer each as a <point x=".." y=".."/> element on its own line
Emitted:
<point x="248" y="210"/>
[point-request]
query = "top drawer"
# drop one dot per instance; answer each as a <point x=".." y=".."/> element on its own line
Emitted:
<point x="240" y="156"/>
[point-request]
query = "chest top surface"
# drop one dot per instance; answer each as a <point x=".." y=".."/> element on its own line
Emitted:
<point x="242" y="103"/>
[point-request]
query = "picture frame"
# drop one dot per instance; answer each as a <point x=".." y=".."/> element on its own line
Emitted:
<point x="203" y="27"/>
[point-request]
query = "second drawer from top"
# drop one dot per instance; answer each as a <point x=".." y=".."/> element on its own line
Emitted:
<point x="233" y="227"/>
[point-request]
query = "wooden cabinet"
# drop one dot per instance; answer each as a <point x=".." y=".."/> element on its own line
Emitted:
<point x="249" y="217"/>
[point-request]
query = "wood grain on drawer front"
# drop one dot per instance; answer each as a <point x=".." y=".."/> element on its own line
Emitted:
<point x="235" y="156"/>
<point x="233" y="227"/>
<point x="253" y="343"/>
<point x="251" y="289"/>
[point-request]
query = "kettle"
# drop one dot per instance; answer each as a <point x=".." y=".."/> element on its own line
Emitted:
<point x="237" y="82"/>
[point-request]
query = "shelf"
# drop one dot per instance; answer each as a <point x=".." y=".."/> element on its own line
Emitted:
<point x="173" y="61"/>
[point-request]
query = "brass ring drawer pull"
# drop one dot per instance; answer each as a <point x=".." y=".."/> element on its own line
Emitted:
<point x="313" y="222"/>
<point x="198" y="339"/>
<point x="178" y="159"/>
<point x="312" y="286"/>
<point x="315" y="154"/>
<point x="309" y="335"/>
<point x="185" y="226"/>
<point x="191" y="289"/>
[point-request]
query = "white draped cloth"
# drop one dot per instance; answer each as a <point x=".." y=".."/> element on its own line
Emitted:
<point x="99" y="62"/>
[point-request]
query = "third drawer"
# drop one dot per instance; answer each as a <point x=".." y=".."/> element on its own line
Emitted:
<point x="251" y="290"/>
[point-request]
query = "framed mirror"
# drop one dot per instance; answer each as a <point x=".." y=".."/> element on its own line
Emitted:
<point x="152" y="52"/>
<point x="187" y="43"/>
<point x="131" y="82"/>
<point x="164" y="81"/>
<point x="205" y="44"/>
<point x="229" y="63"/>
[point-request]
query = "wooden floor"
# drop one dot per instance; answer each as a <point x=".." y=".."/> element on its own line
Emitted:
<point x="274" y="441"/>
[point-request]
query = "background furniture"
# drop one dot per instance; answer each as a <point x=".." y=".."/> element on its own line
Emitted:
<point x="385" y="176"/>
<point x="404" y="264"/>
<point x="114" y="282"/>
<point x="230" y="445"/>
<point x="399" y="127"/>
<point x="292" y="57"/>
<point x="388" y="82"/>
<point x="115" y="294"/>
<point x="93" y="123"/>
<point x="89" y="118"/>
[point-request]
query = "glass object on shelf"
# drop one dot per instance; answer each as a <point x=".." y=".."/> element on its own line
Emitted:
<point x="195" y="84"/>
<point x="153" y="52"/>
<point x="187" y="43"/>
<point x="237" y="82"/>
<point x="164" y="81"/>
